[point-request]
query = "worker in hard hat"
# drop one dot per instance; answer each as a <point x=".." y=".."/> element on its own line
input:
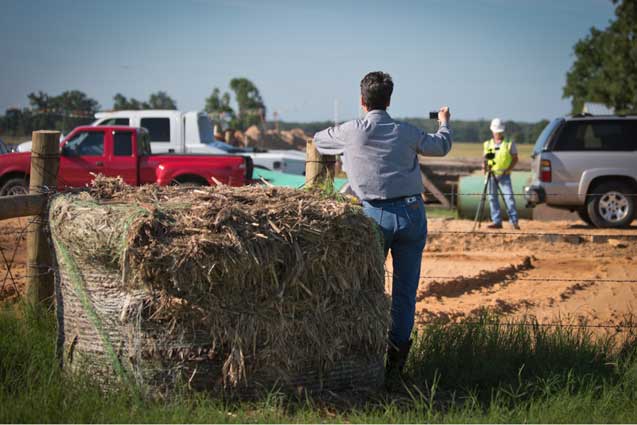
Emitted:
<point x="504" y="155"/>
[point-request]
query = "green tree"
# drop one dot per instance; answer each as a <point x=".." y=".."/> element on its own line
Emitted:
<point x="218" y="107"/>
<point x="217" y="103"/>
<point x="605" y="67"/>
<point x="120" y="102"/>
<point x="161" y="100"/>
<point x="75" y="103"/>
<point x="63" y="112"/>
<point x="75" y="108"/>
<point x="40" y="101"/>
<point x="252" y="109"/>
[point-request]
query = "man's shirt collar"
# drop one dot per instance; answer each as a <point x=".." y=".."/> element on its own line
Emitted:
<point x="377" y="114"/>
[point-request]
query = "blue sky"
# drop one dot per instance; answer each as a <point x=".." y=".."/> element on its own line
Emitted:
<point x="483" y="58"/>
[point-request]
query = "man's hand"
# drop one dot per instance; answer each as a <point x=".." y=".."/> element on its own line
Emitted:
<point x="444" y="115"/>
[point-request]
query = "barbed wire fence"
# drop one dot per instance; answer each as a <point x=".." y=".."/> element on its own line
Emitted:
<point x="320" y="169"/>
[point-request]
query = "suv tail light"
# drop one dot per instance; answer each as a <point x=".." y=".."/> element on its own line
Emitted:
<point x="545" y="171"/>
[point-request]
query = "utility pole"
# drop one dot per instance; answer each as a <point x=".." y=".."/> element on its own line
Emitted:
<point x="335" y="112"/>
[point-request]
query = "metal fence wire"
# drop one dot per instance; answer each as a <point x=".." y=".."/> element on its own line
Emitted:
<point x="18" y="235"/>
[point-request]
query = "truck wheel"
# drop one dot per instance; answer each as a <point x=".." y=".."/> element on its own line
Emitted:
<point x="15" y="186"/>
<point x="611" y="205"/>
<point x="583" y="215"/>
<point x="187" y="181"/>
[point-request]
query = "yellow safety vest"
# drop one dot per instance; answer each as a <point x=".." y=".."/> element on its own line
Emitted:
<point x="503" y="157"/>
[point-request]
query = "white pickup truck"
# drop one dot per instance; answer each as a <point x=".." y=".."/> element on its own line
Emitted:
<point x="191" y="132"/>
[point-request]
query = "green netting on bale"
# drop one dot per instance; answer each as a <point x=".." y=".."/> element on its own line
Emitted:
<point x="224" y="288"/>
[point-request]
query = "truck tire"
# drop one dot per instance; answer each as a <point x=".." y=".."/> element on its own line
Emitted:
<point x="188" y="180"/>
<point x="15" y="186"/>
<point x="583" y="215"/>
<point x="611" y="205"/>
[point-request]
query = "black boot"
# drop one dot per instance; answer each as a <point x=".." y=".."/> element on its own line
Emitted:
<point x="396" y="359"/>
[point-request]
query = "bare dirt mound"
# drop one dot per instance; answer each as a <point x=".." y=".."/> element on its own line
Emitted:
<point x="271" y="139"/>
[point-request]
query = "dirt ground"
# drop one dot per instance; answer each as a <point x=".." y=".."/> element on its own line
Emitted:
<point x="13" y="242"/>
<point x="559" y="270"/>
<point x="554" y="271"/>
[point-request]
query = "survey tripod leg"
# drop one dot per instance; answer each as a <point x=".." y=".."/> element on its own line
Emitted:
<point x="483" y="198"/>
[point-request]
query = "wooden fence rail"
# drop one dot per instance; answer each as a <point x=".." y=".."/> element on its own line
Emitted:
<point x="21" y="205"/>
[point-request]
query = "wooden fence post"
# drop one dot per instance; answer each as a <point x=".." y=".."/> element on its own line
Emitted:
<point x="45" y="160"/>
<point x="319" y="169"/>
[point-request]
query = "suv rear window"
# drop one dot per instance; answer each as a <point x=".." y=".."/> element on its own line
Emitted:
<point x="158" y="128"/>
<point x="598" y="135"/>
<point x="542" y="139"/>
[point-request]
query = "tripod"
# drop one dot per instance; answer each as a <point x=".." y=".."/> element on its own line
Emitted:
<point x="490" y="178"/>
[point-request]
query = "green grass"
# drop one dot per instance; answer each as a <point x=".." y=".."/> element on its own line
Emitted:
<point x="464" y="150"/>
<point x="481" y="372"/>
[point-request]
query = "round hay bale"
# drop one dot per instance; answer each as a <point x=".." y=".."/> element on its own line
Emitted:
<point x="227" y="289"/>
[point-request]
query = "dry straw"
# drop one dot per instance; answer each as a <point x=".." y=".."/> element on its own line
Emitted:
<point x="227" y="288"/>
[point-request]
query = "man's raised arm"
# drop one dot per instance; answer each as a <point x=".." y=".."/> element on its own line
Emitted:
<point x="331" y="141"/>
<point x="439" y="143"/>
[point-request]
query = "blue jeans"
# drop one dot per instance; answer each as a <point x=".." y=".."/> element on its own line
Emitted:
<point x="504" y="181"/>
<point x="404" y="226"/>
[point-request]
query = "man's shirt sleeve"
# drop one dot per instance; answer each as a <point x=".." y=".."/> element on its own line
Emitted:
<point x="435" y="144"/>
<point x="514" y="149"/>
<point x="331" y="141"/>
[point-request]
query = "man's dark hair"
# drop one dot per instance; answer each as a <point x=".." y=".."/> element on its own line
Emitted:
<point x="376" y="89"/>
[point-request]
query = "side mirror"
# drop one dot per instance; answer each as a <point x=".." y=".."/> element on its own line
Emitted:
<point x="66" y="151"/>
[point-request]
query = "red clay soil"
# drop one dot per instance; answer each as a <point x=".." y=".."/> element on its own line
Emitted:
<point x="554" y="271"/>
<point x="13" y="253"/>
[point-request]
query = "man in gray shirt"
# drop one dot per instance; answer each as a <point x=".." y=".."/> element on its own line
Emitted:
<point x="380" y="157"/>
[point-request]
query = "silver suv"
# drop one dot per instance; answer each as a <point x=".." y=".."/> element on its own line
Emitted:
<point x="587" y="164"/>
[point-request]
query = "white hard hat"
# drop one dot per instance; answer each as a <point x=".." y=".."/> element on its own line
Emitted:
<point x="497" y="126"/>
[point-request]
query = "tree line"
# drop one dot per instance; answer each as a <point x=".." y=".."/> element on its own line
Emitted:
<point x="73" y="108"/>
<point x="69" y="110"/>
<point x="464" y="131"/>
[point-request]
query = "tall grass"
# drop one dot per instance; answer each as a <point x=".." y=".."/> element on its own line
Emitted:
<point x="482" y="372"/>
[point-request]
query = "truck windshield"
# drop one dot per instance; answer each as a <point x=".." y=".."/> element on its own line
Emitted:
<point x="544" y="135"/>
<point x="206" y="134"/>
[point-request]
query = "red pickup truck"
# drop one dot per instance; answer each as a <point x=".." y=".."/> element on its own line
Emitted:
<point x="124" y="151"/>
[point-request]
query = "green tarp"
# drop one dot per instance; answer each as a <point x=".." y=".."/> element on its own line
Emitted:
<point x="276" y="178"/>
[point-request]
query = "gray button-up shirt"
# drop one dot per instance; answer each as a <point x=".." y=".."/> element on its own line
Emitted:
<point x="380" y="155"/>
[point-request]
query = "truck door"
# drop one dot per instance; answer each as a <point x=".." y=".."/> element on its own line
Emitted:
<point x="122" y="160"/>
<point x="81" y="155"/>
